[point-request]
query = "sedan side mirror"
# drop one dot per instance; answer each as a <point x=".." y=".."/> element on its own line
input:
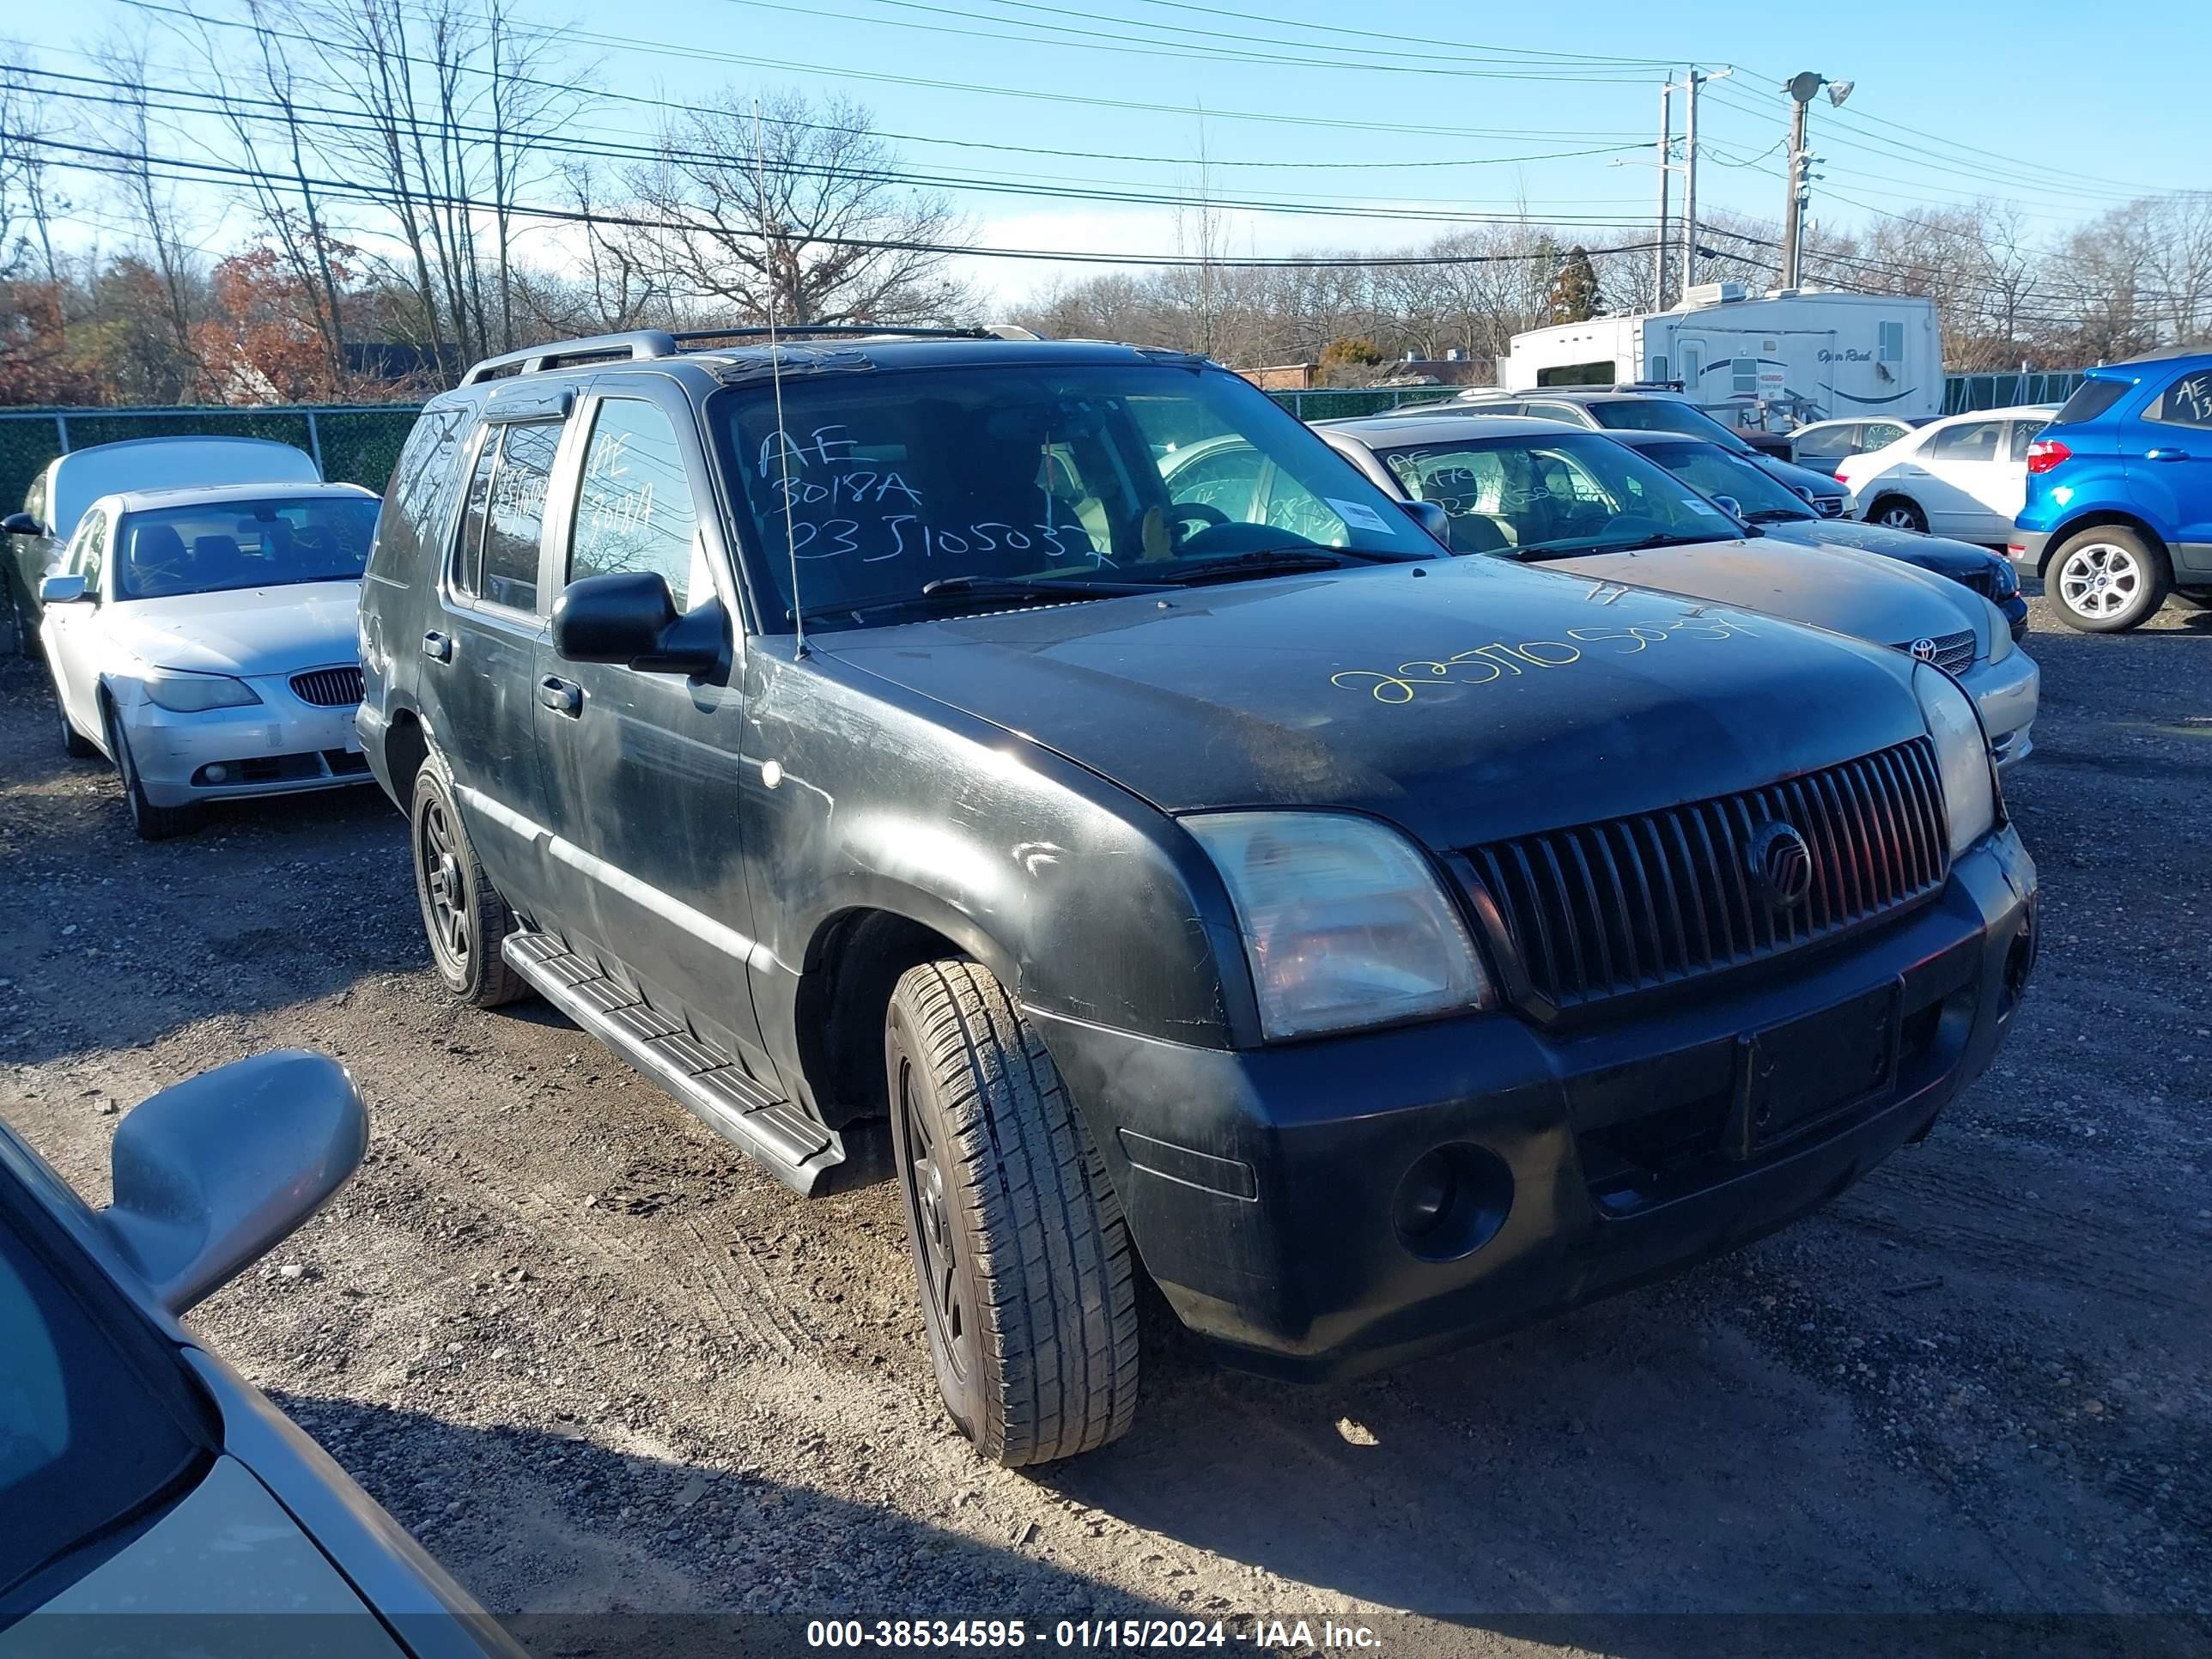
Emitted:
<point x="631" y="618"/>
<point x="22" y="524"/>
<point x="64" y="590"/>
<point x="1730" y="505"/>
<point x="1431" y="517"/>
<point x="212" y="1174"/>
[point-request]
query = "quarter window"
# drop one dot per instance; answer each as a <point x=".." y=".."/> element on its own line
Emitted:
<point x="468" y="545"/>
<point x="635" y="509"/>
<point x="2187" y="402"/>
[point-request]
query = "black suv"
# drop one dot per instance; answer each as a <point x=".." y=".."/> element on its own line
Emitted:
<point x="860" y="735"/>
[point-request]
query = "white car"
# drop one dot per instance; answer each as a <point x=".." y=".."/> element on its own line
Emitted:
<point x="207" y="642"/>
<point x="1823" y="446"/>
<point x="1963" y="476"/>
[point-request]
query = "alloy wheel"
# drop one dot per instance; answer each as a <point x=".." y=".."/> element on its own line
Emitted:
<point x="2101" y="580"/>
<point x="443" y="882"/>
<point x="929" y="1215"/>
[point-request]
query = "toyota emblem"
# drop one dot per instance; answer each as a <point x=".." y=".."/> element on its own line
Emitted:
<point x="1781" y="865"/>
<point x="1924" y="651"/>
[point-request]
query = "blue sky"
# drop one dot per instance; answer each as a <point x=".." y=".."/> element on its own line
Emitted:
<point x="2022" y="101"/>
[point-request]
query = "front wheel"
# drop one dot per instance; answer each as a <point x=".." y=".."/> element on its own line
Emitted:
<point x="1027" y="1283"/>
<point x="152" y="822"/>
<point x="2106" y="580"/>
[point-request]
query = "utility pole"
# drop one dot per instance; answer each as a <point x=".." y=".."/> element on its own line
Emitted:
<point x="1665" y="194"/>
<point x="1691" y="82"/>
<point x="1799" y="169"/>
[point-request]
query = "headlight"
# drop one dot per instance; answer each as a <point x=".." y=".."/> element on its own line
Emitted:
<point x="1343" y="920"/>
<point x="1962" y="757"/>
<point x="195" y="694"/>
<point x="1999" y="633"/>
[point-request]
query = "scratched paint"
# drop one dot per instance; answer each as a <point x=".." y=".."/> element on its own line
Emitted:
<point x="1499" y="661"/>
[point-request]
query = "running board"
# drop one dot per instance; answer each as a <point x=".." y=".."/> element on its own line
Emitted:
<point x="794" y="1148"/>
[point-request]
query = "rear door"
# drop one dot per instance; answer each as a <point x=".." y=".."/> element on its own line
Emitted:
<point x="2172" y="471"/>
<point x="641" y="767"/>
<point x="479" y="685"/>
<point x="1959" y="483"/>
<point x="73" y="633"/>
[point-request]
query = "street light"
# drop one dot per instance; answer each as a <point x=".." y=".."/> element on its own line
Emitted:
<point x="1801" y="89"/>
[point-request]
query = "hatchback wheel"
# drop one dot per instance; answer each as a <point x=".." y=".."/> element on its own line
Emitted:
<point x="2106" y="580"/>
<point x="1023" y="1261"/>
<point x="1899" y="513"/>
<point x="463" y="915"/>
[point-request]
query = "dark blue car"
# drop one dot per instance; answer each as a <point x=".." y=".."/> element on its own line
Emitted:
<point x="2119" y="493"/>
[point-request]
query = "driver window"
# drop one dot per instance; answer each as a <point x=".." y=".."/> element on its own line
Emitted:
<point x="91" y="551"/>
<point x="635" y="509"/>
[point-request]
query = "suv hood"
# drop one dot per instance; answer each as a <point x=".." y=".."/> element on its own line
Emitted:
<point x="1860" y="594"/>
<point x="245" y="631"/>
<point x="1342" y="691"/>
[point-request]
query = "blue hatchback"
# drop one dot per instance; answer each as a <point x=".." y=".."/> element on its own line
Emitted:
<point x="2119" y="493"/>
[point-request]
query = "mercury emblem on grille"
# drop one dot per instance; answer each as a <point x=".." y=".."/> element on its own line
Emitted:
<point x="1781" y="864"/>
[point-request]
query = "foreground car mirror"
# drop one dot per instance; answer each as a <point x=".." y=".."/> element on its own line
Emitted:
<point x="62" y="590"/>
<point x="631" y="618"/>
<point x="1431" y="517"/>
<point x="212" y="1174"/>
<point x="22" y="524"/>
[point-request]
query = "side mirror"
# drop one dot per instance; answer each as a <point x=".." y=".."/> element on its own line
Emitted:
<point x="631" y="618"/>
<point x="1805" y="493"/>
<point x="1431" y="517"/>
<point x="1730" y="505"/>
<point x="22" y="524"/>
<point x="62" y="590"/>
<point x="215" y="1172"/>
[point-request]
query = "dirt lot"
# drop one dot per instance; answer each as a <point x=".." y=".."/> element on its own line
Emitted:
<point x="593" y="1361"/>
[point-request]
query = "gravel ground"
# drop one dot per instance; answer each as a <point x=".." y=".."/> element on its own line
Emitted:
<point x="596" y="1361"/>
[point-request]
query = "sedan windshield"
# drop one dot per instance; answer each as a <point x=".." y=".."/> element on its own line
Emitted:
<point x="1554" y="496"/>
<point x="891" y="493"/>
<point x="219" y="545"/>
<point x="1665" y="415"/>
<point x="1712" y="471"/>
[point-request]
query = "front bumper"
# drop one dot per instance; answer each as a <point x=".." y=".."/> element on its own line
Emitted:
<point x="2006" y="694"/>
<point x="1259" y="1185"/>
<point x="278" y="746"/>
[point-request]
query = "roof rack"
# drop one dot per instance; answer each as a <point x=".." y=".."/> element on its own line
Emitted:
<point x="639" y="344"/>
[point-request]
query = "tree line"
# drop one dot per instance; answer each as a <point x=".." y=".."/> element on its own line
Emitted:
<point x="348" y="200"/>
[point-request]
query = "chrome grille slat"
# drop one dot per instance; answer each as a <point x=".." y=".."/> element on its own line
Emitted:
<point x="328" y="688"/>
<point x="1601" y="910"/>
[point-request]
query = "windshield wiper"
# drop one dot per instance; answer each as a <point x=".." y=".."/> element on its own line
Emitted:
<point x="1779" y="516"/>
<point x="1275" y="562"/>
<point x="1642" y="544"/>
<point x="951" y="594"/>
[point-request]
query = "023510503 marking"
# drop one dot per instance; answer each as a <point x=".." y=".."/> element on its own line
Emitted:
<point x="1485" y="664"/>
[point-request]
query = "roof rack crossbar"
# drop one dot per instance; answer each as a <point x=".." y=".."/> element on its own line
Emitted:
<point x="635" y="343"/>
<point x="785" y="330"/>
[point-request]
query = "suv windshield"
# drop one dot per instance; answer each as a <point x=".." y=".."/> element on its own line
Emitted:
<point x="1712" y="471"/>
<point x="1554" y="496"/>
<point x="1664" y="414"/>
<point x="903" y="491"/>
<point x="219" y="545"/>
<point x="92" y="1422"/>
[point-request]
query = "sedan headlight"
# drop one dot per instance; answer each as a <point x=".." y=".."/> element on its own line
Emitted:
<point x="1343" y="920"/>
<point x="195" y="694"/>
<point x="1962" y="757"/>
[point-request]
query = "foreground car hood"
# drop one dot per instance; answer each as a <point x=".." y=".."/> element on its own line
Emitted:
<point x="1956" y="560"/>
<point x="250" y="630"/>
<point x="1420" y="693"/>
<point x="1836" y="588"/>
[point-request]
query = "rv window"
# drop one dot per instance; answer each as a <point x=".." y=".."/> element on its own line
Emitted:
<point x="1746" y="376"/>
<point x="1658" y="374"/>
<point x="1602" y="373"/>
<point x="1891" y="347"/>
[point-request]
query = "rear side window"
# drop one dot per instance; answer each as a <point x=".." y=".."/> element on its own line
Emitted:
<point x="1969" y="441"/>
<point x="2091" y="398"/>
<point x="2024" y="433"/>
<point x="1833" y="444"/>
<point x="2187" y="402"/>
<point x="635" y="510"/>
<point x="496" y="558"/>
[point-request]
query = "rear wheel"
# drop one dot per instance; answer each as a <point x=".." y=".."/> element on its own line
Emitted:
<point x="1899" y="513"/>
<point x="2106" y="580"/>
<point x="463" y="915"/>
<point x="151" y="822"/>
<point x="74" y="743"/>
<point x="1027" y="1280"/>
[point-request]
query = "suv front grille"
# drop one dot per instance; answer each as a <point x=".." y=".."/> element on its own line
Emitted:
<point x="328" y="688"/>
<point x="1605" y="909"/>
<point x="1952" y="653"/>
<point x="1831" y="507"/>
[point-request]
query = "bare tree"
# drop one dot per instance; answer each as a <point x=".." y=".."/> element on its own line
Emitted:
<point x="131" y="131"/>
<point x="791" y="210"/>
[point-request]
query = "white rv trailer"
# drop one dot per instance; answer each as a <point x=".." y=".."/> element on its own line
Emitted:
<point x="1773" y="362"/>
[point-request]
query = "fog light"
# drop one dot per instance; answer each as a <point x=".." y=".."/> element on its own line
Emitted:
<point x="217" y="773"/>
<point x="1452" y="1202"/>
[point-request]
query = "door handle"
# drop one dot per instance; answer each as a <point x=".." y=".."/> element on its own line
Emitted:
<point x="2164" y="453"/>
<point x="562" y="696"/>
<point x="437" y="646"/>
